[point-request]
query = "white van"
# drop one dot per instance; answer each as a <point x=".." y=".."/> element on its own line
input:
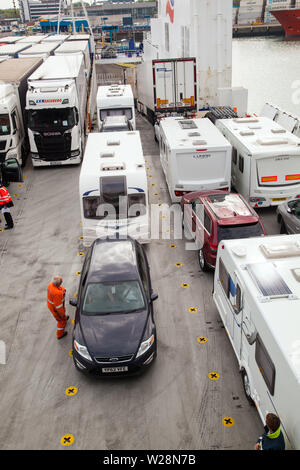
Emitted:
<point x="257" y="294"/>
<point x="265" y="160"/>
<point x="194" y="156"/>
<point x="115" y="100"/>
<point x="113" y="187"/>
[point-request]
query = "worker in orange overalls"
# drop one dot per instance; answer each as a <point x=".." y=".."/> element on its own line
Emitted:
<point x="56" y="304"/>
<point x="5" y="205"/>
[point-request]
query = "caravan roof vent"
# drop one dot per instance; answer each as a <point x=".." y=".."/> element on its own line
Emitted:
<point x="272" y="141"/>
<point x="120" y="166"/>
<point x="199" y="142"/>
<point x="194" y="134"/>
<point x="188" y="124"/>
<point x="245" y="120"/>
<point x="280" y="250"/>
<point x="107" y="155"/>
<point x="113" y="142"/>
<point x="278" y="131"/>
<point x="246" y="133"/>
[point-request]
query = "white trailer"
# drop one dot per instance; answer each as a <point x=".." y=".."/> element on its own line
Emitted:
<point x="33" y="39"/>
<point x="257" y="294"/>
<point x="56" y="38"/>
<point x="113" y="187"/>
<point x="265" y="160"/>
<point x="115" y="100"/>
<point x="43" y="50"/>
<point x="194" y="156"/>
<point x="13" y="87"/>
<point x="56" y="103"/>
<point x="76" y="47"/>
<point x="13" y="50"/>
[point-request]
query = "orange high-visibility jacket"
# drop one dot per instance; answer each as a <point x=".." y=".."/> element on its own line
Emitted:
<point x="4" y="197"/>
<point x="56" y="300"/>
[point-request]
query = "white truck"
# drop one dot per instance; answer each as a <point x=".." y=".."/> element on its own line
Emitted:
<point x="194" y="156"/>
<point x="115" y="100"/>
<point x="76" y="47"/>
<point x="265" y="160"/>
<point x="113" y="187"/>
<point x="257" y="294"/>
<point x="43" y="50"/>
<point x="56" y="103"/>
<point x="166" y="86"/>
<point x="13" y="87"/>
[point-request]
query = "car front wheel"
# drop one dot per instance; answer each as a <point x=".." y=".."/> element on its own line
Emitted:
<point x="202" y="261"/>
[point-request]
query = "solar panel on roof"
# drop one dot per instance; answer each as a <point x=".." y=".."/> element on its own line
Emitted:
<point x="268" y="280"/>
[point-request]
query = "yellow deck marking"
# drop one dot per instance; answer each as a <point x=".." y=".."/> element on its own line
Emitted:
<point x="201" y="339"/>
<point x="20" y="185"/>
<point x="80" y="253"/>
<point x="213" y="375"/>
<point x="172" y="246"/>
<point x="80" y="238"/>
<point x="67" y="440"/>
<point x="178" y="265"/>
<point x="193" y="310"/>
<point x="184" y="285"/>
<point x="71" y="391"/>
<point x="16" y="195"/>
<point x="77" y="273"/>
<point x="71" y="352"/>
<point x="228" y="421"/>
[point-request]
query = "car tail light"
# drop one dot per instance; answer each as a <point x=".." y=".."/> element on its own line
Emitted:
<point x="292" y="177"/>
<point x="298" y="196"/>
<point x="268" y="179"/>
<point x="181" y="193"/>
<point x="213" y="246"/>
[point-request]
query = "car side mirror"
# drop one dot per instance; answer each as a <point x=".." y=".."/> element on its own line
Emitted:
<point x="73" y="302"/>
<point x="153" y="297"/>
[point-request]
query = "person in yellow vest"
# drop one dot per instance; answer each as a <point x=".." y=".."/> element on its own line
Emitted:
<point x="273" y="438"/>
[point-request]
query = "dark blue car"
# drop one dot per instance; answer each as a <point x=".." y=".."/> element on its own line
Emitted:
<point x="114" y="332"/>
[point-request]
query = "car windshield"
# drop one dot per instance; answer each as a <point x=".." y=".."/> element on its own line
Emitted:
<point x="4" y="124"/>
<point x="104" y="298"/>
<point x="228" y="232"/>
<point x="51" y="119"/>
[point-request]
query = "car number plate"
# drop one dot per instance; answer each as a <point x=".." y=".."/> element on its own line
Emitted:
<point x="115" y="369"/>
<point x="279" y="199"/>
<point x="55" y="163"/>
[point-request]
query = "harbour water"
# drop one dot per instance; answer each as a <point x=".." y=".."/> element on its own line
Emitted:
<point x="269" y="67"/>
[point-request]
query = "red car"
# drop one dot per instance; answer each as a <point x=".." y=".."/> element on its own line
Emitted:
<point x="212" y="216"/>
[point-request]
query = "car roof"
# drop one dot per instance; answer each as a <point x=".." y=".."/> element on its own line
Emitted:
<point x="113" y="260"/>
<point x="227" y="208"/>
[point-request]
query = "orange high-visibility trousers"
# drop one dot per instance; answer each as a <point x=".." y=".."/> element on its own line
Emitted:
<point x="61" y="327"/>
<point x="56" y="305"/>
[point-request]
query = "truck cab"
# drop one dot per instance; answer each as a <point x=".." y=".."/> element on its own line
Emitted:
<point x="11" y="129"/>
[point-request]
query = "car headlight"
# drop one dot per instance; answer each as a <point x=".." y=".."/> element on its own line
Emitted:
<point x="82" y="350"/>
<point x="145" y="345"/>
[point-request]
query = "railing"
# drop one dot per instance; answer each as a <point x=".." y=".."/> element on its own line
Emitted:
<point x="293" y="4"/>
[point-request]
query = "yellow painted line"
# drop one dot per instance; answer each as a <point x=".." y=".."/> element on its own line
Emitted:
<point x="193" y="310"/>
<point x="67" y="440"/>
<point x="228" y="421"/>
<point x="71" y="391"/>
<point x="201" y="339"/>
<point x="80" y="253"/>
<point x="185" y="285"/>
<point x="213" y="376"/>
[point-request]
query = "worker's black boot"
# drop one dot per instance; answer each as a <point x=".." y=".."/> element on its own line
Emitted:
<point x="9" y="220"/>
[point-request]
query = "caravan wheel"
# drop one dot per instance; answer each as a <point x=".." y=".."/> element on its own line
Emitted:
<point x="247" y="389"/>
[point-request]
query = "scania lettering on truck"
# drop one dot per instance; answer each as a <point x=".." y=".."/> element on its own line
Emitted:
<point x="13" y="87"/>
<point x="113" y="187"/>
<point x="166" y="86"/>
<point x="257" y="294"/>
<point x="56" y="105"/>
<point x="265" y="160"/>
<point x="194" y="156"/>
<point x="115" y="100"/>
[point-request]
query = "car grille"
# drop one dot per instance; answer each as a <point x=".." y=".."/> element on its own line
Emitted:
<point x="114" y="359"/>
<point x="54" y="147"/>
<point x="2" y="156"/>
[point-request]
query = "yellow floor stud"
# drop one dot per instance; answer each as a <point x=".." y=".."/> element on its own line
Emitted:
<point x="213" y="375"/>
<point x="80" y="253"/>
<point x="78" y="273"/>
<point x="20" y="185"/>
<point x="16" y="195"/>
<point x="71" y="391"/>
<point x="193" y="310"/>
<point x="71" y="352"/>
<point x="80" y="238"/>
<point x="185" y="285"/>
<point x="201" y="339"/>
<point x="172" y="246"/>
<point x="1" y="230"/>
<point x="178" y="265"/>
<point x="228" y="421"/>
<point x="67" y="440"/>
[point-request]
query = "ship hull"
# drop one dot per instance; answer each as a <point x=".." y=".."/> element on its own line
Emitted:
<point x="290" y="20"/>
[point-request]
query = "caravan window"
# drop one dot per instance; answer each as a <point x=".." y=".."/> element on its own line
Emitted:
<point x="115" y="112"/>
<point x="111" y="189"/>
<point x="241" y="164"/>
<point x="234" y="156"/>
<point x="90" y="206"/>
<point x="136" y="205"/>
<point x="224" y="277"/>
<point x="265" y="364"/>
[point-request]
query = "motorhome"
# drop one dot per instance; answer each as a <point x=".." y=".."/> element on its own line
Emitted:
<point x="115" y="100"/>
<point x="56" y="103"/>
<point x="113" y="187"/>
<point x="43" y="50"/>
<point x="257" y="294"/>
<point x="194" y="156"/>
<point x="265" y="160"/>
<point x="13" y="87"/>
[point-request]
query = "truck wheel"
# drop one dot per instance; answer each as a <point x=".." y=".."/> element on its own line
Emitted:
<point x="202" y="261"/>
<point x="246" y="385"/>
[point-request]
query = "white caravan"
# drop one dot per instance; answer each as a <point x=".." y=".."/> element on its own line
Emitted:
<point x="257" y="294"/>
<point x="113" y="187"/>
<point x="56" y="102"/>
<point x="194" y="156"/>
<point x="115" y="100"/>
<point x="265" y="160"/>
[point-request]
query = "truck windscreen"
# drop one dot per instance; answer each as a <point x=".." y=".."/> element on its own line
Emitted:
<point x="115" y="112"/>
<point x="51" y="119"/>
<point x="4" y="124"/>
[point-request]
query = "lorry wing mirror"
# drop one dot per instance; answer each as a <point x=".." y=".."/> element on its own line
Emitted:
<point x="11" y="171"/>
